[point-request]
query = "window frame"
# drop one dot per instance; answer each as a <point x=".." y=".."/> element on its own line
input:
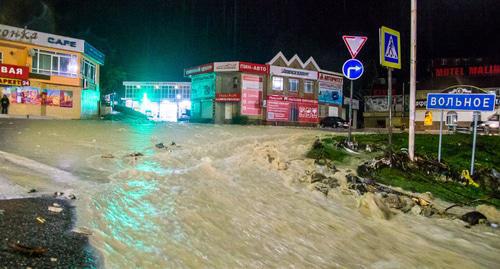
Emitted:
<point x="296" y="82"/>
<point x="35" y="68"/>
<point x="308" y="82"/>
<point x="281" y="79"/>
<point x="87" y="67"/>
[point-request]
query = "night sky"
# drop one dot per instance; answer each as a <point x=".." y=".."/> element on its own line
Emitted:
<point x="155" y="40"/>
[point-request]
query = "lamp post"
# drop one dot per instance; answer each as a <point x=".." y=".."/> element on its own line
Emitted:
<point x="413" y="80"/>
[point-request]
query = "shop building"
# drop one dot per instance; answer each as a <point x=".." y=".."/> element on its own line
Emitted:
<point x="49" y="75"/>
<point x="161" y="101"/>
<point x="227" y="92"/>
<point x="300" y="92"/>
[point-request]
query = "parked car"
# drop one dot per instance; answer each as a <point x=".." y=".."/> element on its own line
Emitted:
<point x="492" y="124"/>
<point x="334" y="122"/>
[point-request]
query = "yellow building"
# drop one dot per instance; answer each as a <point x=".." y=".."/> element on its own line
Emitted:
<point x="49" y="75"/>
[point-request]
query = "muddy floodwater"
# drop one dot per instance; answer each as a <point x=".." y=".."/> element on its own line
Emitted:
<point x="214" y="200"/>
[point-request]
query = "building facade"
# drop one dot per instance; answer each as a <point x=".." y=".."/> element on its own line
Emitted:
<point x="162" y="101"/>
<point x="44" y="74"/>
<point x="279" y="92"/>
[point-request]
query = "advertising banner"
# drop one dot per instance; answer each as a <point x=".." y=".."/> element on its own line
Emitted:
<point x="253" y="68"/>
<point x="53" y="97"/>
<point x="14" y="82"/>
<point x="308" y="112"/>
<point x="205" y="68"/>
<point x="330" y="93"/>
<point x="14" y="71"/>
<point x="225" y="66"/>
<point x="23" y="95"/>
<point x="277" y="108"/>
<point x="203" y="86"/>
<point x="251" y="88"/>
<point x="227" y="97"/>
<point x="66" y="99"/>
<point x="292" y="72"/>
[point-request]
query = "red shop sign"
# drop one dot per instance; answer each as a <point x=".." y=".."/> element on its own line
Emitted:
<point x="14" y="71"/>
<point x="253" y="68"/>
<point x="227" y="97"/>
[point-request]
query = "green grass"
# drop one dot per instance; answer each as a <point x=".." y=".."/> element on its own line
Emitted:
<point x="456" y="154"/>
<point x="419" y="182"/>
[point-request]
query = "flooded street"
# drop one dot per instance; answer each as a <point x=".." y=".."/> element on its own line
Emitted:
<point x="215" y="200"/>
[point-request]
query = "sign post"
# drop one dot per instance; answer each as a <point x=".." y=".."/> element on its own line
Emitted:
<point x="462" y="101"/>
<point x="352" y="70"/>
<point x="440" y="136"/>
<point x="390" y="57"/>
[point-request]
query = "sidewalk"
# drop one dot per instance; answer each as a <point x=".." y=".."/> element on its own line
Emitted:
<point x="29" y="117"/>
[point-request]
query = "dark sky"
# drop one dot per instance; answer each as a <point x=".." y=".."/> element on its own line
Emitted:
<point x="156" y="39"/>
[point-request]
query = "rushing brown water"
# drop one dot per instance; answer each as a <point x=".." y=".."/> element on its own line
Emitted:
<point x="215" y="201"/>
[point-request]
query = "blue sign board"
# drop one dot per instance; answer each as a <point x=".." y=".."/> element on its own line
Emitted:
<point x="90" y="51"/>
<point x="469" y="102"/>
<point x="352" y="69"/>
<point x="330" y="96"/>
<point x="390" y="48"/>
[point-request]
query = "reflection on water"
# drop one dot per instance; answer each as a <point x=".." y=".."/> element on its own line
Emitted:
<point x="215" y="201"/>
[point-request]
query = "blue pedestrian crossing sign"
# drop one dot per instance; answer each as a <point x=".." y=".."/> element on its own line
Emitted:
<point x="352" y="69"/>
<point x="390" y="48"/>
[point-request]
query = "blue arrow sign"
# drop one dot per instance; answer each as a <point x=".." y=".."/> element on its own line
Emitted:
<point x="352" y="69"/>
<point x="470" y="102"/>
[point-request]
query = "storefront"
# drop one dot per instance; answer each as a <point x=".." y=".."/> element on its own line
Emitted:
<point x="49" y="75"/>
<point x="159" y="100"/>
<point x="227" y="92"/>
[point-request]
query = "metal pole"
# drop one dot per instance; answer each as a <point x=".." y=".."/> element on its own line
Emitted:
<point x="473" y="144"/>
<point x="350" y="113"/>
<point x="403" y="112"/>
<point x="440" y="136"/>
<point x="389" y="95"/>
<point x="413" y="80"/>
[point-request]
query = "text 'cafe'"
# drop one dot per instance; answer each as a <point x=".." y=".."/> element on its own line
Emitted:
<point x="49" y="75"/>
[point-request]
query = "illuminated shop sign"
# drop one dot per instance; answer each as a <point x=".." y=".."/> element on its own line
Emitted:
<point x="39" y="38"/>
<point x="330" y="78"/>
<point x="292" y="72"/>
<point x="482" y="70"/>
<point x="227" y="97"/>
<point x="14" y="82"/>
<point x="206" y="68"/>
<point x="14" y="71"/>
<point x="253" y="68"/>
<point x="225" y="66"/>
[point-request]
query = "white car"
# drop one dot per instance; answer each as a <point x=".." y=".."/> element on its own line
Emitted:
<point x="491" y="124"/>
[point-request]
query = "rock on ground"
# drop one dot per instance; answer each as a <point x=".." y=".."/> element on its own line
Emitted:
<point x="18" y="222"/>
<point x="490" y="212"/>
<point x="372" y="205"/>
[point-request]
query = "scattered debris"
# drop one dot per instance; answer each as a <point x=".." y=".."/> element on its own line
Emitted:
<point x="55" y="209"/>
<point x="135" y="154"/>
<point x="56" y="205"/>
<point x="58" y="193"/>
<point x="82" y="230"/>
<point x="32" y="191"/>
<point x="107" y="156"/>
<point x="71" y="196"/>
<point x="172" y="144"/>
<point x="160" y="146"/>
<point x="53" y="259"/>
<point x="27" y="250"/>
<point x="40" y="219"/>
<point x="373" y="205"/>
<point x="473" y="217"/>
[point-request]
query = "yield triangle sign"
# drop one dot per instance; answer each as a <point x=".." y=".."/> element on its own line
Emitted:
<point x="354" y="44"/>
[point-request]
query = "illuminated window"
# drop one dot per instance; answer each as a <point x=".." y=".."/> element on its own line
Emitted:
<point x="451" y="118"/>
<point x="308" y="86"/>
<point x="88" y="70"/>
<point x="277" y="83"/>
<point x="293" y="84"/>
<point x="52" y="63"/>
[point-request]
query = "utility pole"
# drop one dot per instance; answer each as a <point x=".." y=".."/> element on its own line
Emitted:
<point x="413" y="80"/>
<point x="389" y="102"/>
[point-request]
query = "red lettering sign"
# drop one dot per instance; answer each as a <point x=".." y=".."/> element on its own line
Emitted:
<point x="14" y="71"/>
<point x="277" y="108"/>
<point x="227" y="97"/>
<point x="328" y="77"/>
<point x="253" y="68"/>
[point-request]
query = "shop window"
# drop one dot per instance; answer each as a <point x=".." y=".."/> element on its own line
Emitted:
<point x="1" y="58"/>
<point x="88" y="70"/>
<point x="52" y="63"/>
<point x="293" y="84"/>
<point x="451" y="118"/>
<point x="277" y="83"/>
<point x="308" y="86"/>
